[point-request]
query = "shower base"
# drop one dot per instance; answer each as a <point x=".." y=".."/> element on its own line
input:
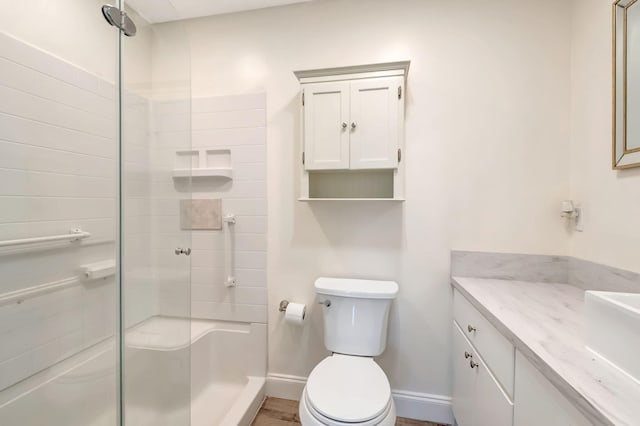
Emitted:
<point x="176" y="373"/>
<point x="227" y="364"/>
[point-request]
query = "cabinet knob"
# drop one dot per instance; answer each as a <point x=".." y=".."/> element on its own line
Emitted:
<point x="471" y="328"/>
<point x="344" y="125"/>
<point x="473" y="364"/>
<point x="353" y="125"/>
<point x="467" y="355"/>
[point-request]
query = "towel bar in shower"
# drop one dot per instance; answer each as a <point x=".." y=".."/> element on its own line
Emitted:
<point x="73" y="235"/>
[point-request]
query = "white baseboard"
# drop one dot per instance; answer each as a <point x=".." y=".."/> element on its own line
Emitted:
<point x="423" y="406"/>
<point x="285" y="386"/>
<point x="412" y="405"/>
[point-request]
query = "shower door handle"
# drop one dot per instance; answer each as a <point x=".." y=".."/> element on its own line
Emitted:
<point x="178" y="251"/>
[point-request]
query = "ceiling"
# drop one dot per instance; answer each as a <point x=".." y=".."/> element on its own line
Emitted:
<point x="156" y="11"/>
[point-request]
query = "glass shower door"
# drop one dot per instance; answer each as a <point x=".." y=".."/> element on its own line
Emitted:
<point x="156" y="240"/>
<point x="58" y="215"/>
<point x="94" y="260"/>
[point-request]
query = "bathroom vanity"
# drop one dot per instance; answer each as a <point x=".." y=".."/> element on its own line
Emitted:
<point x="519" y="358"/>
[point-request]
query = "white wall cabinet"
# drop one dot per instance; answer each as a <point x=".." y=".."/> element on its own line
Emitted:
<point x="495" y="385"/>
<point x="353" y="124"/>
<point x="352" y="128"/>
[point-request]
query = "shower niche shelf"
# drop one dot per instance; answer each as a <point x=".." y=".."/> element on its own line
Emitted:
<point x="203" y="163"/>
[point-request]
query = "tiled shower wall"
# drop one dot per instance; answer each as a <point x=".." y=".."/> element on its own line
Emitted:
<point x="57" y="172"/>
<point x="236" y="123"/>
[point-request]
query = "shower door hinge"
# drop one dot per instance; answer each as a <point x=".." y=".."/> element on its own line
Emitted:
<point x="399" y="92"/>
<point x="302" y="98"/>
<point x="303" y="158"/>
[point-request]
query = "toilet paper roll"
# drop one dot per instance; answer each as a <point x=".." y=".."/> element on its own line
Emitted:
<point x="295" y="313"/>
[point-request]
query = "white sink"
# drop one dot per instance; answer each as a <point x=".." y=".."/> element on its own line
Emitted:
<point x="613" y="329"/>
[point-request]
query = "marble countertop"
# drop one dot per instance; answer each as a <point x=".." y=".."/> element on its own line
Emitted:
<point x="545" y="323"/>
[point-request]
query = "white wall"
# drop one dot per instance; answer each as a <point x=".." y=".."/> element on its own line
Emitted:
<point x="611" y="199"/>
<point x="486" y="149"/>
<point x="73" y="30"/>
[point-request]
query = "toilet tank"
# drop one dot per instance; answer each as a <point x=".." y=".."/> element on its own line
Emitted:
<point x="356" y="314"/>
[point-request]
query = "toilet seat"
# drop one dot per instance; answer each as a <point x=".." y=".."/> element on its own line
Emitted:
<point x="307" y="412"/>
<point x="344" y="389"/>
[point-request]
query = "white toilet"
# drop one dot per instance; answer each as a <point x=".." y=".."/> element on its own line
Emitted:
<point x="348" y="387"/>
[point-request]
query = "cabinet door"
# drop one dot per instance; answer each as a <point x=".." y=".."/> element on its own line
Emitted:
<point x="495" y="349"/>
<point x="326" y="132"/>
<point x="492" y="407"/>
<point x="376" y="115"/>
<point x="478" y="399"/>
<point x="463" y="380"/>
<point x="538" y="402"/>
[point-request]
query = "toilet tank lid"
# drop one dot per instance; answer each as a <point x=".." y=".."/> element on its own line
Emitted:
<point x="349" y="287"/>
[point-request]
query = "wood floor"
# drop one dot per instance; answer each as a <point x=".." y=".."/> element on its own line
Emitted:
<point x="283" y="412"/>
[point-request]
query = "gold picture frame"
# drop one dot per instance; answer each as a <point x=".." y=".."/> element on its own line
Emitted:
<point x="623" y="157"/>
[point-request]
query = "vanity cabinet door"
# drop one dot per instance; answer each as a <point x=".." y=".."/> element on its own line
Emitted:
<point x="375" y="127"/>
<point x="495" y="349"/>
<point x="538" y="402"/>
<point x="478" y="398"/>
<point x="326" y="126"/>
<point x="463" y="380"/>
<point x="492" y="406"/>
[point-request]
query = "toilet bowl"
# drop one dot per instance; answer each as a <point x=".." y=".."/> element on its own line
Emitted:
<point x="347" y="390"/>
<point x="349" y="387"/>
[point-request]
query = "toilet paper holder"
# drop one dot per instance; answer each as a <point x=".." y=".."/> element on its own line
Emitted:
<point x="285" y="303"/>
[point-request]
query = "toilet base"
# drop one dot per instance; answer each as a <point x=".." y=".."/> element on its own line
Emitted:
<point x="308" y="419"/>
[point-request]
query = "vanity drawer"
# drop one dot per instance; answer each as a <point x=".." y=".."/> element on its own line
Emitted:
<point x="495" y="349"/>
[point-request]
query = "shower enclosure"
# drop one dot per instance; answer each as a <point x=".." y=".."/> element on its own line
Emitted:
<point x="95" y="303"/>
